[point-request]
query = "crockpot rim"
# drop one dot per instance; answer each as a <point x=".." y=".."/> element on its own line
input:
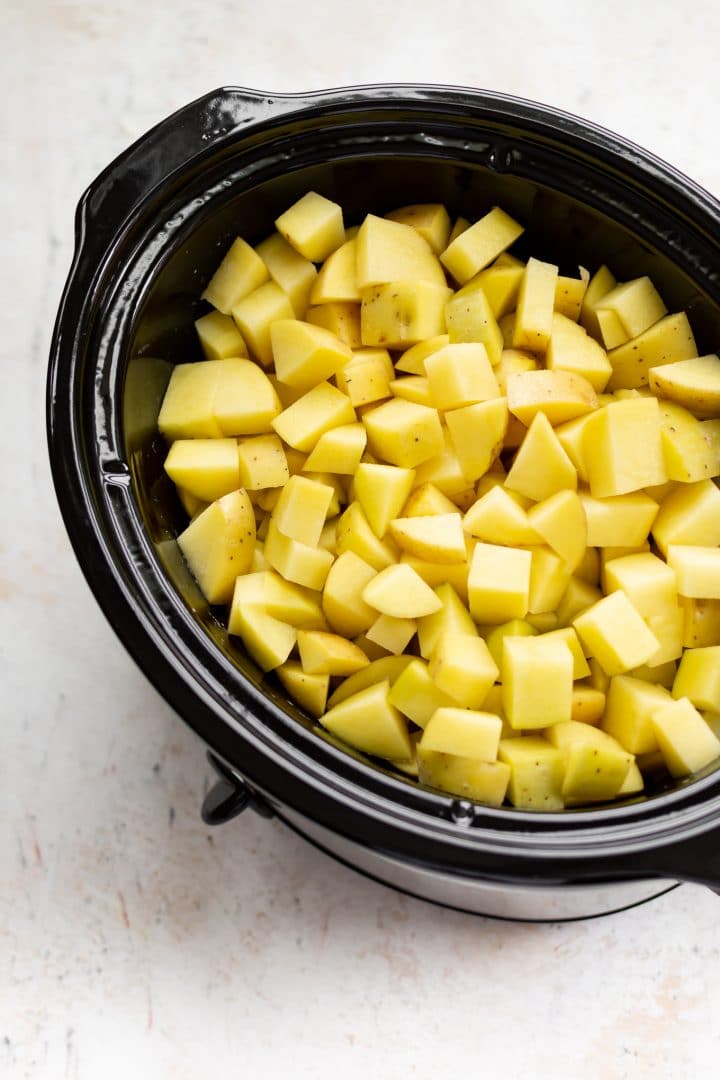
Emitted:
<point x="390" y="96"/>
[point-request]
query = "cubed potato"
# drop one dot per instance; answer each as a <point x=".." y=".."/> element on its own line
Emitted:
<point x="438" y="538"/>
<point x="549" y="579"/>
<point x="255" y="314"/>
<point x="595" y="765"/>
<point x="462" y="667"/>
<point x="341" y="318"/>
<point x="425" y="500"/>
<point x="498" y="518"/>
<point x="697" y="569"/>
<point x="403" y="433"/>
<point x="513" y="628"/>
<point x="402" y="313"/>
<point x="622" y="448"/>
<point x="660" y="675"/>
<point x="268" y="640"/>
<point x="416" y="695"/>
<point x="477" y="246"/>
<point x="355" y="534"/>
<point x="688" y="454"/>
<point x="366" y="377"/>
<point x="537" y="681"/>
<point x="293" y="273"/>
<point x="500" y="282"/>
<point x="295" y="561"/>
<point x="329" y="654"/>
<point x="313" y="226"/>
<point x="338" y="450"/>
<point x="689" y="515"/>
<point x="284" y="601"/>
<point x="600" y="284"/>
<point x="309" y="691"/>
<point x="570" y="293"/>
<point x="317" y="411"/>
<point x="476" y="434"/>
<point x="336" y="280"/>
<point x="218" y="545"/>
<point x="513" y="362"/>
<point x="399" y="591"/>
<point x="382" y="491"/>
<point x="391" y="251"/>
<point x="567" y="634"/>
<point x="694" y="383"/>
<point x="188" y="407"/>
<point x="430" y="220"/>
<point x="482" y="781"/>
<point x="262" y="463"/>
<point x="629" y="710"/>
<point x="413" y="388"/>
<point x="541" y="467"/>
<point x="463" y="733"/>
<point x="536" y="772"/>
<point x="701" y="622"/>
<point x="588" y="705"/>
<point x="698" y="678"/>
<point x="391" y="633"/>
<point x="342" y="602"/>
<point x="369" y="722"/>
<point x="452" y="618"/>
<point x="535" y="305"/>
<point x="219" y="336"/>
<point x="498" y="583"/>
<point x="301" y="509"/>
<point x="207" y="468"/>
<point x="459" y="226"/>
<point x="635" y="305"/>
<point x="686" y="741"/>
<point x="646" y="580"/>
<point x="560" y="395"/>
<point x="469" y="319"/>
<point x="459" y="375"/>
<point x="412" y="361"/>
<point x="668" y="340"/>
<point x="571" y="349"/>
<point x="385" y="669"/>
<point x="614" y="632"/>
<point x="561" y="522"/>
<point x="306" y="354"/>
<point x="240" y="273"/>
<point x="611" y="521"/>
<point x="245" y="401"/>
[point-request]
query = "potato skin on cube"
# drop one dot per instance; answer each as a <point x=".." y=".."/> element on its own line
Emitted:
<point x="313" y="226"/>
<point x="218" y="545"/>
<point x="403" y="433"/>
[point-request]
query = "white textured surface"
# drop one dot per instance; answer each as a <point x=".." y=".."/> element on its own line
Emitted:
<point x="132" y="941"/>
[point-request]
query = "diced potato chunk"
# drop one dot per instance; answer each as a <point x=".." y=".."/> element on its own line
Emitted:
<point x="588" y="705"/>
<point x="382" y="491"/>
<point x="391" y="633"/>
<point x="355" y="534"/>
<point x="541" y="467"/>
<point x="462" y="667"/>
<point x="694" y="383"/>
<point x="460" y="375"/>
<point x="284" y="601"/>
<point x="416" y="695"/>
<point x="240" y="273"/>
<point x="635" y="306"/>
<point x="500" y="282"/>
<point x="469" y="319"/>
<point x="218" y="545"/>
<point x="399" y="591"/>
<point x="403" y="433"/>
<point x="476" y="434"/>
<point x="301" y="509"/>
<point x="499" y="583"/>
<point x="560" y="395"/>
<point x="571" y="349"/>
<point x="537" y="681"/>
<point x="477" y="246"/>
<point x="188" y="407"/>
<point x="599" y="285"/>
<point x="482" y="781"/>
<point x="402" y="312"/>
<point x="317" y="411"/>
<point x="614" y="632"/>
<point x="611" y="521"/>
<point x="498" y="518"/>
<point x="338" y="450"/>
<point x="697" y="570"/>
<point x="219" y="336"/>
<point x="256" y="313"/>
<point x="385" y="669"/>
<point x="561" y="522"/>
<point x="341" y="318"/>
<point x="536" y="774"/>
<point x="689" y="515"/>
<point x="370" y="723"/>
<point x="366" y="377"/>
<point x="309" y="691"/>
<point x="337" y="278"/>
<point x="645" y="579"/>
<point x="668" y="340"/>
<point x="293" y="273"/>
<point x="631" y="703"/>
<point x="622" y="448"/>
<point x="344" y="607"/>
<point x="268" y="641"/>
<point x="536" y="300"/>
<point x="463" y="733"/>
<point x="390" y="251"/>
<point x="207" y="468"/>
<point x="305" y="354"/>
<point x="245" y="401"/>
<point x="296" y="561"/>
<point x="698" y="678"/>
<point x="595" y="765"/>
<point x="689" y="455"/>
<point x="438" y="538"/>
<point x="452" y="618"/>
<point x="431" y="220"/>
<point x="313" y="225"/>
<point x="686" y="741"/>
<point x="262" y="463"/>
<point x="329" y="654"/>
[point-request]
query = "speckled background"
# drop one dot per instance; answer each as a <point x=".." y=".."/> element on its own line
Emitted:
<point x="134" y="942"/>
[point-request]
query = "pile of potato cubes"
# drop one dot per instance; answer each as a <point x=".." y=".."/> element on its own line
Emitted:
<point x="462" y="505"/>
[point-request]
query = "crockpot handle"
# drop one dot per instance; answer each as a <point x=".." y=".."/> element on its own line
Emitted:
<point x="694" y="860"/>
<point x="229" y="796"/>
<point x="169" y="146"/>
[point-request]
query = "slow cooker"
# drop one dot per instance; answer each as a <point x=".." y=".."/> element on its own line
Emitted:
<point x="149" y="232"/>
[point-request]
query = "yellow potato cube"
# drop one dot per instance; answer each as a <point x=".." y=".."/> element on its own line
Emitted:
<point x="382" y="491"/>
<point x="438" y="538"/>
<point x="355" y="534"/>
<point x="317" y="411"/>
<point x="262" y="463"/>
<point x="337" y="279"/>
<point x="536" y="299"/>
<point x="537" y="681"/>
<point x="697" y="569"/>
<point x="306" y="354"/>
<point x="402" y="312"/>
<point x="462" y="667"/>
<point x="370" y="723"/>
<point x="482" y="781"/>
<point x="571" y="349"/>
<point x="689" y="515"/>
<point x="561" y="522"/>
<point x="245" y="401"/>
<point x="631" y="703"/>
<point x="219" y="336"/>
<point x="536" y="772"/>
<point x="301" y="510"/>
<point x="207" y="468"/>
<point x="338" y="450"/>
<point x="412" y="361"/>
<point x="430" y="220"/>
<point x="329" y="654"/>
<point x="513" y="362"/>
<point x="701" y="622"/>
<point x="427" y="499"/>
<point x="498" y="583"/>
<point x="497" y="518"/>
<point x="500" y="283"/>
<point x="188" y="407"/>
<point x="513" y="628"/>
<point x="463" y="733"/>
<point x="279" y="598"/>
<point x="689" y="456"/>
<point x="570" y="293"/>
<point x="646" y="580"/>
<point x="599" y="285"/>
<point x="444" y="472"/>
<point x="570" y="436"/>
<point x="342" y="602"/>
<point x="622" y="447"/>
<point x="309" y="691"/>
<point x="622" y="521"/>
<point x="660" y="675"/>
<point x="595" y="765"/>
<point x="549" y="579"/>
<point x="385" y="669"/>
<point x="567" y="634"/>
<point x="268" y="641"/>
<point x="399" y="591"/>
<point x="560" y="395"/>
<point x="296" y="561"/>
<point x="668" y="340"/>
<point x="686" y="741"/>
<point x="460" y="375"/>
<point x="452" y="618"/>
<point x="694" y="383"/>
<point x="476" y="434"/>
<point x="340" y="318"/>
<point x="313" y="226"/>
<point x="294" y="274"/>
<point x="240" y="273"/>
<point x="469" y="319"/>
<point x="698" y="678"/>
<point x="476" y="247"/>
<point x="256" y="313"/>
<point x="413" y="388"/>
<point x="366" y="376"/>
<point x="389" y="251"/>
<point x="635" y="306"/>
<point x="614" y="632"/>
<point x="588" y="705"/>
<point x="416" y="695"/>
<point x="218" y="545"/>
<point x="392" y="634"/>
<point x="403" y="433"/>
<point x="541" y="467"/>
